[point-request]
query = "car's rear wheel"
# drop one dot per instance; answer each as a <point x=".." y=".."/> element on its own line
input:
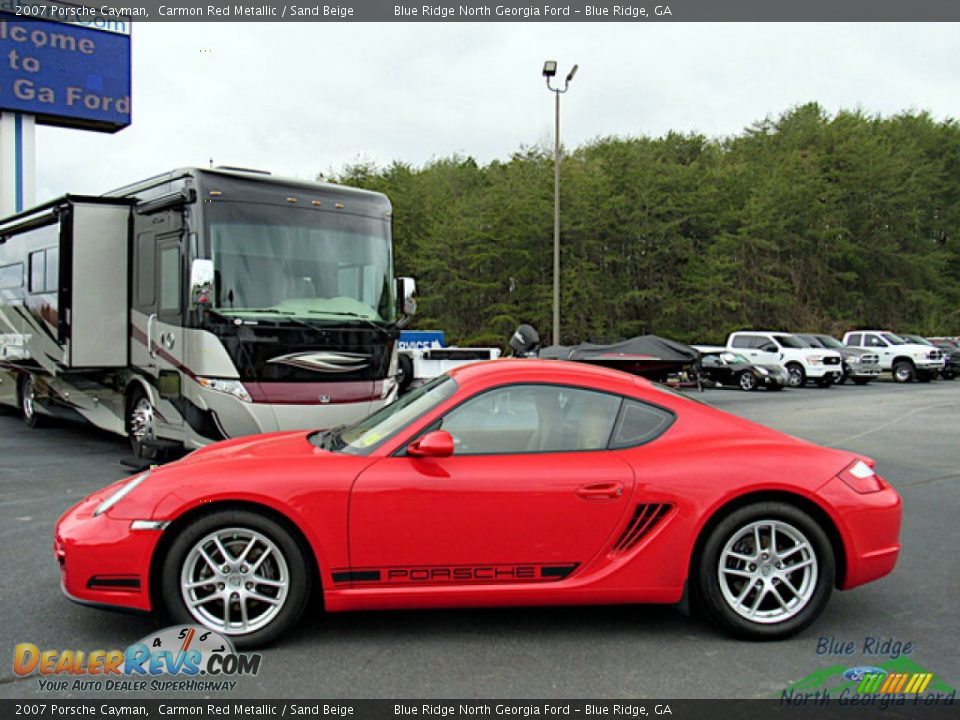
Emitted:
<point x="747" y="381"/>
<point x="766" y="571"/>
<point x="797" y="375"/>
<point x="239" y="573"/>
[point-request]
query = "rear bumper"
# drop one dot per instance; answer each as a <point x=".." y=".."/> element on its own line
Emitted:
<point x="870" y="530"/>
<point x="102" y="561"/>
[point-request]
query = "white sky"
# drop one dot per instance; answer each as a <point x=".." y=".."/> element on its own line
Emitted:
<point x="299" y="99"/>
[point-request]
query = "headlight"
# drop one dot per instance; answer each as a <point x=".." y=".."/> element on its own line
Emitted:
<point x="120" y="494"/>
<point x="230" y="387"/>
<point x="853" y="360"/>
<point x="815" y="359"/>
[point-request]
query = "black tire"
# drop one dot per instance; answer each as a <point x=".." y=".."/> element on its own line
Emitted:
<point x="747" y="381"/>
<point x="710" y="595"/>
<point x="824" y="382"/>
<point x="798" y="376"/>
<point x="26" y="398"/>
<point x="862" y="380"/>
<point x="404" y="373"/>
<point x="903" y="371"/>
<point x="843" y="377"/>
<point x="295" y="558"/>
<point x="141" y="446"/>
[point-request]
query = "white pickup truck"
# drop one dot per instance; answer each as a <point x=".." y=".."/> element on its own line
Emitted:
<point x="905" y="361"/>
<point x="766" y="347"/>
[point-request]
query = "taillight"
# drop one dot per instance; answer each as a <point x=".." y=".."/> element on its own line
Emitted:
<point x="861" y="478"/>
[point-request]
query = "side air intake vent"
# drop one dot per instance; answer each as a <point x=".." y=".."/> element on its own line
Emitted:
<point x="645" y="518"/>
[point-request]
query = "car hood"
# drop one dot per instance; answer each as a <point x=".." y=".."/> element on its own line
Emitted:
<point x="275" y="445"/>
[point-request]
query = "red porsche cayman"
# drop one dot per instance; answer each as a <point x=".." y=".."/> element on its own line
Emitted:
<point x="512" y="482"/>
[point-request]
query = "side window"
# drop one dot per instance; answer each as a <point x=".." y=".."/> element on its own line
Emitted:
<point x="146" y="291"/>
<point x="710" y="361"/>
<point x="11" y="276"/>
<point x="640" y="423"/>
<point x="873" y="341"/>
<point x="38" y="270"/>
<point x="742" y="341"/>
<point x="854" y="339"/>
<point x="170" y="279"/>
<point x="52" y="278"/>
<point x="531" y="419"/>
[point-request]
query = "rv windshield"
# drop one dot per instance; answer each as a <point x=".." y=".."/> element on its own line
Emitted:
<point x="300" y="262"/>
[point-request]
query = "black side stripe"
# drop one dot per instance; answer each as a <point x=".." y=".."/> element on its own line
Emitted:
<point x="357" y="576"/>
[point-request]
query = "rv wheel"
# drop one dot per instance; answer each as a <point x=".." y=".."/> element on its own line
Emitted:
<point x="141" y="425"/>
<point x="28" y="401"/>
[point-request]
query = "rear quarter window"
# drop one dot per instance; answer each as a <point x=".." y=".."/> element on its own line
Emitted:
<point x="640" y="423"/>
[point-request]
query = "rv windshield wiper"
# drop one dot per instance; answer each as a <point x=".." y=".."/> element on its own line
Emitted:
<point x="358" y="316"/>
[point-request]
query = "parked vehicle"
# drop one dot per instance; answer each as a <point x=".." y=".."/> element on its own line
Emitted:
<point x="289" y="319"/>
<point x="511" y="482"/>
<point x="719" y="366"/>
<point x="904" y="360"/>
<point x="859" y="365"/>
<point x="765" y="347"/>
<point x="649" y="356"/>
<point x="951" y="354"/>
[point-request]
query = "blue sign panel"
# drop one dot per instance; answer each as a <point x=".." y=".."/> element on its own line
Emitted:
<point x="65" y="74"/>
<point x="421" y="339"/>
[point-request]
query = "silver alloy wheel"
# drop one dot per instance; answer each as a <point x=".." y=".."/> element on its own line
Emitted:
<point x="747" y="381"/>
<point x="796" y="376"/>
<point x="29" y="396"/>
<point x="768" y="571"/>
<point x="902" y="372"/>
<point x="142" y="421"/>
<point x="234" y="580"/>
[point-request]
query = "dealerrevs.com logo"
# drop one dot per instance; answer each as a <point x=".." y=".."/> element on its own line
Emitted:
<point x="179" y="658"/>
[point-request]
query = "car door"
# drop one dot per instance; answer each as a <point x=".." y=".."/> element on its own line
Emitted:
<point x="530" y="493"/>
<point x="880" y="346"/>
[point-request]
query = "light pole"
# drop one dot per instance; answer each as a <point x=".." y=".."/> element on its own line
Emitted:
<point x="549" y="72"/>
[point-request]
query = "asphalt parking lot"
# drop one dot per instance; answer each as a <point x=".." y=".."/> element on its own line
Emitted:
<point x="610" y="652"/>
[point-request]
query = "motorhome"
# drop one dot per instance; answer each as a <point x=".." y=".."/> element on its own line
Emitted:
<point x="201" y="304"/>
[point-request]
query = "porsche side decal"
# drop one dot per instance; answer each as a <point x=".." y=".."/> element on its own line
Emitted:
<point x="443" y="574"/>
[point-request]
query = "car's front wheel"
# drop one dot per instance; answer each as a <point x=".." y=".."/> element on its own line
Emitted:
<point x="766" y="571"/>
<point x="239" y="573"/>
<point x="903" y="371"/>
<point x="748" y="381"/>
<point x="798" y="377"/>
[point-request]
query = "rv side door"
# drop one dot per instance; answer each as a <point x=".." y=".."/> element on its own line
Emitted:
<point x="156" y="317"/>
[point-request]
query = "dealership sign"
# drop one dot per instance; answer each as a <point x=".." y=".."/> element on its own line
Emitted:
<point x="65" y="74"/>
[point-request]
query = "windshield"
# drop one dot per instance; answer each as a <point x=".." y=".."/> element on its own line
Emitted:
<point x="893" y="339"/>
<point x="300" y="262"/>
<point x="917" y="340"/>
<point x="731" y="358"/>
<point x="810" y="341"/>
<point x="363" y="436"/>
<point x="788" y="341"/>
<point x="830" y="342"/>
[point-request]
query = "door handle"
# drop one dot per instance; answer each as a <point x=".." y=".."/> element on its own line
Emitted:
<point x="600" y="491"/>
<point x="150" y="320"/>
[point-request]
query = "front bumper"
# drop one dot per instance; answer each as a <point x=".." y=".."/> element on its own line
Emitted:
<point x="862" y="371"/>
<point x="815" y="372"/>
<point x="103" y="562"/>
<point x="869" y="526"/>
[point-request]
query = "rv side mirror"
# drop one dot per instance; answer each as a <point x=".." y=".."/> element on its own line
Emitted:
<point x="406" y="288"/>
<point x="201" y="282"/>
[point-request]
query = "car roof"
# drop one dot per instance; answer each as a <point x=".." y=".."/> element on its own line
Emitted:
<point x="492" y="372"/>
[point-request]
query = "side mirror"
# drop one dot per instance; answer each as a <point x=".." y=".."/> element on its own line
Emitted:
<point x="201" y="282"/>
<point x="406" y="289"/>
<point x="438" y="443"/>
